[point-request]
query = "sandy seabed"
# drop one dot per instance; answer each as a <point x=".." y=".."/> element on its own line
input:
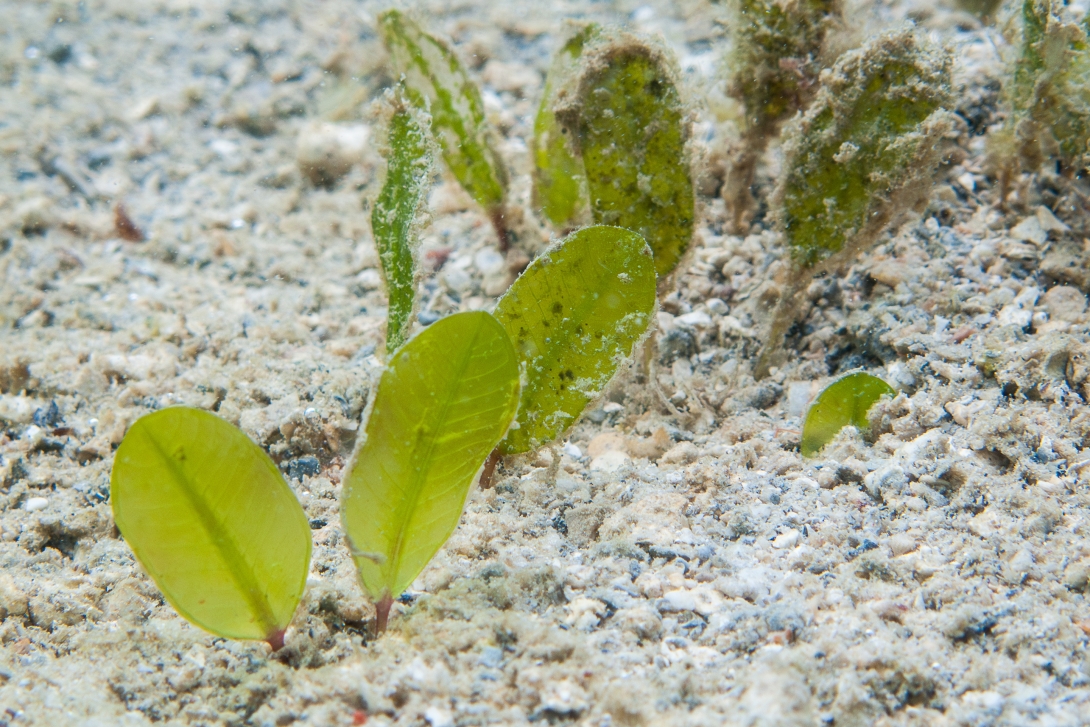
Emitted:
<point x="675" y="561"/>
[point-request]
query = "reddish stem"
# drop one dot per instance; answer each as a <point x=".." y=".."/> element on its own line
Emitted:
<point x="496" y="216"/>
<point x="275" y="640"/>
<point x="490" y="468"/>
<point x="382" y="613"/>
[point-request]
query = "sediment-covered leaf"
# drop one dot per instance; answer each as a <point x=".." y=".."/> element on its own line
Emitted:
<point x="868" y="147"/>
<point x="437" y="82"/>
<point x="560" y="187"/>
<point x="844" y="402"/>
<point x="443" y="403"/>
<point x="1049" y="91"/>
<point x="632" y="132"/>
<point x="213" y="523"/>
<point x="574" y="316"/>
<point x="394" y="217"/>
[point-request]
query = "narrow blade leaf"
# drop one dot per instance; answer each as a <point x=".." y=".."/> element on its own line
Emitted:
<point x="443" y="403"/>
<point x="560" y="187"/>
<point x="212" y="521"/>
<point x="394" y="217"/>
<point x="632" y="135"/>
<point x="844" y="402"/>
<point x="437" y="82"/>
<point x="574" y="316"/>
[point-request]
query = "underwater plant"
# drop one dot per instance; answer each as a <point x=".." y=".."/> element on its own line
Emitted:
<point x="621" y="119"/>
<point x="774" y="67"/>
<point x="397" y="209"/>
<point x="574" y="316"/>
<point x="210" y="518"/>
<point x="445" y="400"/>
<point x="1048" y="94"/>
<point x="865" y="152"/>
<point x="560" y="185"/>
<point x="436" y="82"/>
<point x="845" y="402"/>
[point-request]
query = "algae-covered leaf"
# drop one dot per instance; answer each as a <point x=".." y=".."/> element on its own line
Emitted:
<point x="844" y="402"/>
<point x="212" y="521"/>
<point x="560" y="188"/>
<point x="394" y="217"/>
<point x="632" y="135"/>
<point x="1049" y="91"/>
<point x="443" y="403"/>
<point x="437" y="82"/>
<point x="573" y="316"/>
<point x="868" y="147"/>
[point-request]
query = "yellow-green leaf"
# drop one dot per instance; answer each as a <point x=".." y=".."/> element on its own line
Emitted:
<point x="443" y="403"/>
<point x="574" y="316"/>
<point x="437" y="82"/>
<point x="394" y="217"/>
<point x="632" y="135"/>
<point x="560" y="187"/>
<point x="212" y="521"/>
<point x="844" y="402"/>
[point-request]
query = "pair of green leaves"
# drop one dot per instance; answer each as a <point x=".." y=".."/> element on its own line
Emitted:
<point x="215" y="525"/>
<point x="845" y="402"/>
<point x="436" y="82"/>
<point x="449" y="395"/>
<point x="611" y="136"/>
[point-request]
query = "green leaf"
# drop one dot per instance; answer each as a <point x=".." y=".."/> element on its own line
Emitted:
<point x="443" y="403"/>
<point x="560" y="187"/>
<point x="844" y="402"/>
<point x="213" y="523"/>
<point x="394" y="217"/>
<point x="574" y="315"/>
<point x="435" y="81"/>
<point x="867" y="149"/>
<point x="632" y="135"/>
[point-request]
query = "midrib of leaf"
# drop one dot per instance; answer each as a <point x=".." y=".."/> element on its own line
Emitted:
<point x="236" y="564"/>
<point x="417" y="483"/>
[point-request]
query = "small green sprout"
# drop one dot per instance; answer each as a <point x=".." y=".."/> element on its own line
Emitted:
<point x="844" y="402"/>
<point x="573" y="316"/>
<point x="399" y="204"/>
<point x="1049" y="94"/>
<point x="443" y="403"/>
<point x="560" y="186"/>
<point x="212" y="521"/>
<point x="436" y="82"/>
<point x="775" y="64"/>
<point x="863" y="154"/>
<point x="629" y="126"/>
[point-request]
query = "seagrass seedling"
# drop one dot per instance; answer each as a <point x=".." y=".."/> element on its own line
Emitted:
<point x="1048" y="93"/>
<point x="611" y="137"/>
<point x="865" y="152"/>
<point x="845" y="402"/>
<point x="436" y="82"/>
<point x="394" y="218"/>
<point x="212" y="521"/>
<point x="443" y="403"/>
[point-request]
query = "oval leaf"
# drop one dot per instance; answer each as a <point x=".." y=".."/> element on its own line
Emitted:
<point x="845" y="401"/>
<point x="212" y="521"/>
<point x="394" y="217"/>
<point x="560" y="188"/>
<point x="442" y="405"/>
<point x="632" y="135"/>
<point x="436" y="82"/>
<point x="574" y="315"/>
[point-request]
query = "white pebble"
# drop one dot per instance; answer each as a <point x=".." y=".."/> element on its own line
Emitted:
<point x="786" y="539"/>
<point x="35" y="503"/>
